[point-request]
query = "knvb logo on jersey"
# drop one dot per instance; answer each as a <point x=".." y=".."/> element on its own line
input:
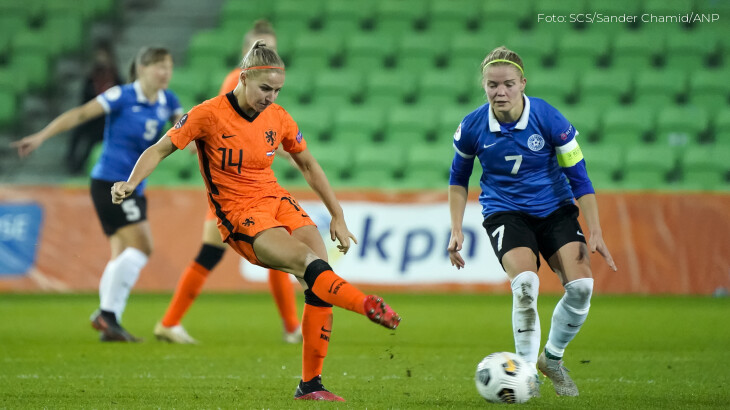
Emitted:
<point x="270" y="136"/>
<point x="535" y="142"/>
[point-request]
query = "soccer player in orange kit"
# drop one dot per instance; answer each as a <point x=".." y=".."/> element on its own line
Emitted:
<point x="237" y="135"/>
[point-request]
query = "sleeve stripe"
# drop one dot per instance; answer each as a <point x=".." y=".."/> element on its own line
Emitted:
<point x="104" y="103"/>
<point x="564" y="149"/>
<point x="461" y="154"/>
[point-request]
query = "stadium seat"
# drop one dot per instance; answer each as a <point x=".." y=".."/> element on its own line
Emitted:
<point x="501" y="16"/>
<point x="33" y="64"/>
<point x="710" y="90"/>
<point x="315" y="51"/>
<point x="604" y="163"/>
<point x="533" y="47"/>
<point x="467" y="50"/>
<point x="581" y="52"/>
<point x="339" y="14"/>
<point x="64" y="30"/>
<point x="679" y="126"/>
<point x="335" y="159"/>
<point x="604" y="88"/>
<point x="425" y="178"/>
<point x="213" y="48"/>
<point x="627" y="126"/>
<point x="296" y="16"/>
<point x="409" y="124"/>
<point x="452" y="16"/>
<point x="648" y="167"/>
<point x="659" y="87"/>
<point x="552" y="85"/>
<point x="368" y="52"/>
<point x="314" y="122"/>
<point x="637" y="50"/>
<point x="420" y="52"/>
<point x="444" y="87"/>
<point x="8" y="107"/>
<point x="721" y="127"/>
<point x="388" y="88"/>
<point x="398" y="17"/>
<point x="706" y="166"/>
<point x="586" y="118"/>
<point x="429" y="157"/>
<point x="358" y="124"/>
<point x="336" y="88"/>
<point x="689" y="50"/>
<point x="239" y="15"/>
<point x="448" y="121"/>
<point x="190" y="82"/>
<point x="298" y="86"/>
<point x="376" y="164"/>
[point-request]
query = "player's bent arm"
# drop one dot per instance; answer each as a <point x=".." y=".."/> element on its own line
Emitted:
<point x="149" y="160"/>
<point x="64" y="122"/>
<point x="316" y="178"/>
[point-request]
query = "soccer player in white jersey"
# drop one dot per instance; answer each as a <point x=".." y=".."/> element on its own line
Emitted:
<point x="135" y="116"/>
<point x="532" y="169"/>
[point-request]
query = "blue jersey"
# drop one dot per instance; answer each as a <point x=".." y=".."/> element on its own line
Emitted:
<point x="132" y="125"/>
<point x="526" y="165"/>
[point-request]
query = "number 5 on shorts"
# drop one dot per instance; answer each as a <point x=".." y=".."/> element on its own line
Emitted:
<point x="499" y="234"/>
<point x="131" y="210"/>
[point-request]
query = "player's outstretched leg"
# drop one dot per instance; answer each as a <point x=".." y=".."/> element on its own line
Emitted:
<point x="316" y="329"/>
<point x="331" y="288"/>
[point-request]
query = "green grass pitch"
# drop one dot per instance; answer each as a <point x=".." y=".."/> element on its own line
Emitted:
<point x="634" y="352"/>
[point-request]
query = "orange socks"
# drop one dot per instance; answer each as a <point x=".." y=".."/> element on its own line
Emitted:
<point x="188" y="288"/>
<point x="283" y="292"/>
<point x="331" y="288"/>
<point x="316" y="331"/>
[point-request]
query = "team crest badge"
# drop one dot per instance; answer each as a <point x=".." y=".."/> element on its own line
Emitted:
<point x="535" y="142"/>
<point x="270" y="136"/>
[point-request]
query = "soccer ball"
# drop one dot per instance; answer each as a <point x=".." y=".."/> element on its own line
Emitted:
<point x="505" y="377"/>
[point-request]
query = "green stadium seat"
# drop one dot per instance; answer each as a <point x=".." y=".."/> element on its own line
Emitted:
<point x="710" y="90"/>
<point x="666" y="7"/>
<point x="337" y="88"/>
<point x="13" y="81"/>
<point x="586" y="118"/>
<point x="34" y="41"/>
<point x="213" y="48"/>
<point x="581" y="52"/>
<point x="410" y="124"/>
<point x="335" y="160"/>
<point x="375" y="178"/>
<point x="706" y="166"/>
<point x="314" y="122"/>
<point x="467" y="50"/>
<point x="388" y="87"/>
<point x="34" y="65"/>
<point x="424" y="178"/>
<point x="420" y="52"/>
<point x="8" y="108"/>
<point x="441" y="87"/>
<point x="627" y="126"/>
<point x="637" y="50"/>
<point x="604" y="163"/>
<point x="648" y="167"/>
<point x="376" y="164"/>
<point x="721" y="127"/>
<point x="315" y="51"/>
<point x="296" y="16"/>
<point x="429" y="157"/>
<point x="689" y="51"/>
<point x="298" y="86"/>
<point x="65" y="30"/>
<point x="344" y="18"/>
<point x="532" y="46"/>
<point x="368" y="52"/>
<point x="190" y="82"/>
<point x="678" y="126"/>
<point x="502" y="16"/>
<point x="552" y="85"/>
<point x="357" y="123"/>
<point x="398" y="17"/>
<point x="452" y="16"/>
<point x="604" y="88"/>
<point x="659" y="87"/>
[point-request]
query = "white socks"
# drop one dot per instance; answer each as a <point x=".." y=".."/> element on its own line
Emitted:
<point x="525" y="321"/>
<point x="569" y="315"/>
<point x="118" y="279"/>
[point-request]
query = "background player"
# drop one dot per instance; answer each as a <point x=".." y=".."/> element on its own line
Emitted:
<point x="211" y="251"/>
<point x="135" y="116"/>
<point x="527" y="149"/>
<point x="237" y="135"/>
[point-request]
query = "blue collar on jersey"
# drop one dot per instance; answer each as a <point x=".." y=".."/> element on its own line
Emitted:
<point x="161" y="99"/>
<point x="521" y="124"/>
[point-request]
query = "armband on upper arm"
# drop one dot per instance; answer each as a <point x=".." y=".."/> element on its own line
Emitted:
<point x="569" y="154"/>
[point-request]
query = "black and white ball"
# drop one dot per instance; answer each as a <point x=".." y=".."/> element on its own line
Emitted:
<point x="505" y="377"/>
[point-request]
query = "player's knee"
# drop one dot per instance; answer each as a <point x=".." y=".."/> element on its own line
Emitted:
<point x="313" y="270"/>
<point x="209" y="256"/>
<point x="578" y="292"/>
<point x="525" y="288"/>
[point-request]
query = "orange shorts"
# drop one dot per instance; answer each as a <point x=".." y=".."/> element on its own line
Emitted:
<point x="262" y="214"/>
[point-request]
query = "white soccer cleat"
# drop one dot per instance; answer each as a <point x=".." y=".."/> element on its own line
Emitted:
<point x="173" y="334"/>
<point x="294" y="337"/>
<point x="558" y="374"/>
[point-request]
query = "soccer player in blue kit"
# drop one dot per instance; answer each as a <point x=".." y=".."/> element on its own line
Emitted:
<point x="135" y="116"/>
<point x="532" y="169"/>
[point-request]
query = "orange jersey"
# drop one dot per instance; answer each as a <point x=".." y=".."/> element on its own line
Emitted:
<point x="230" y="82"/>
<point x="235" y="151"/>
